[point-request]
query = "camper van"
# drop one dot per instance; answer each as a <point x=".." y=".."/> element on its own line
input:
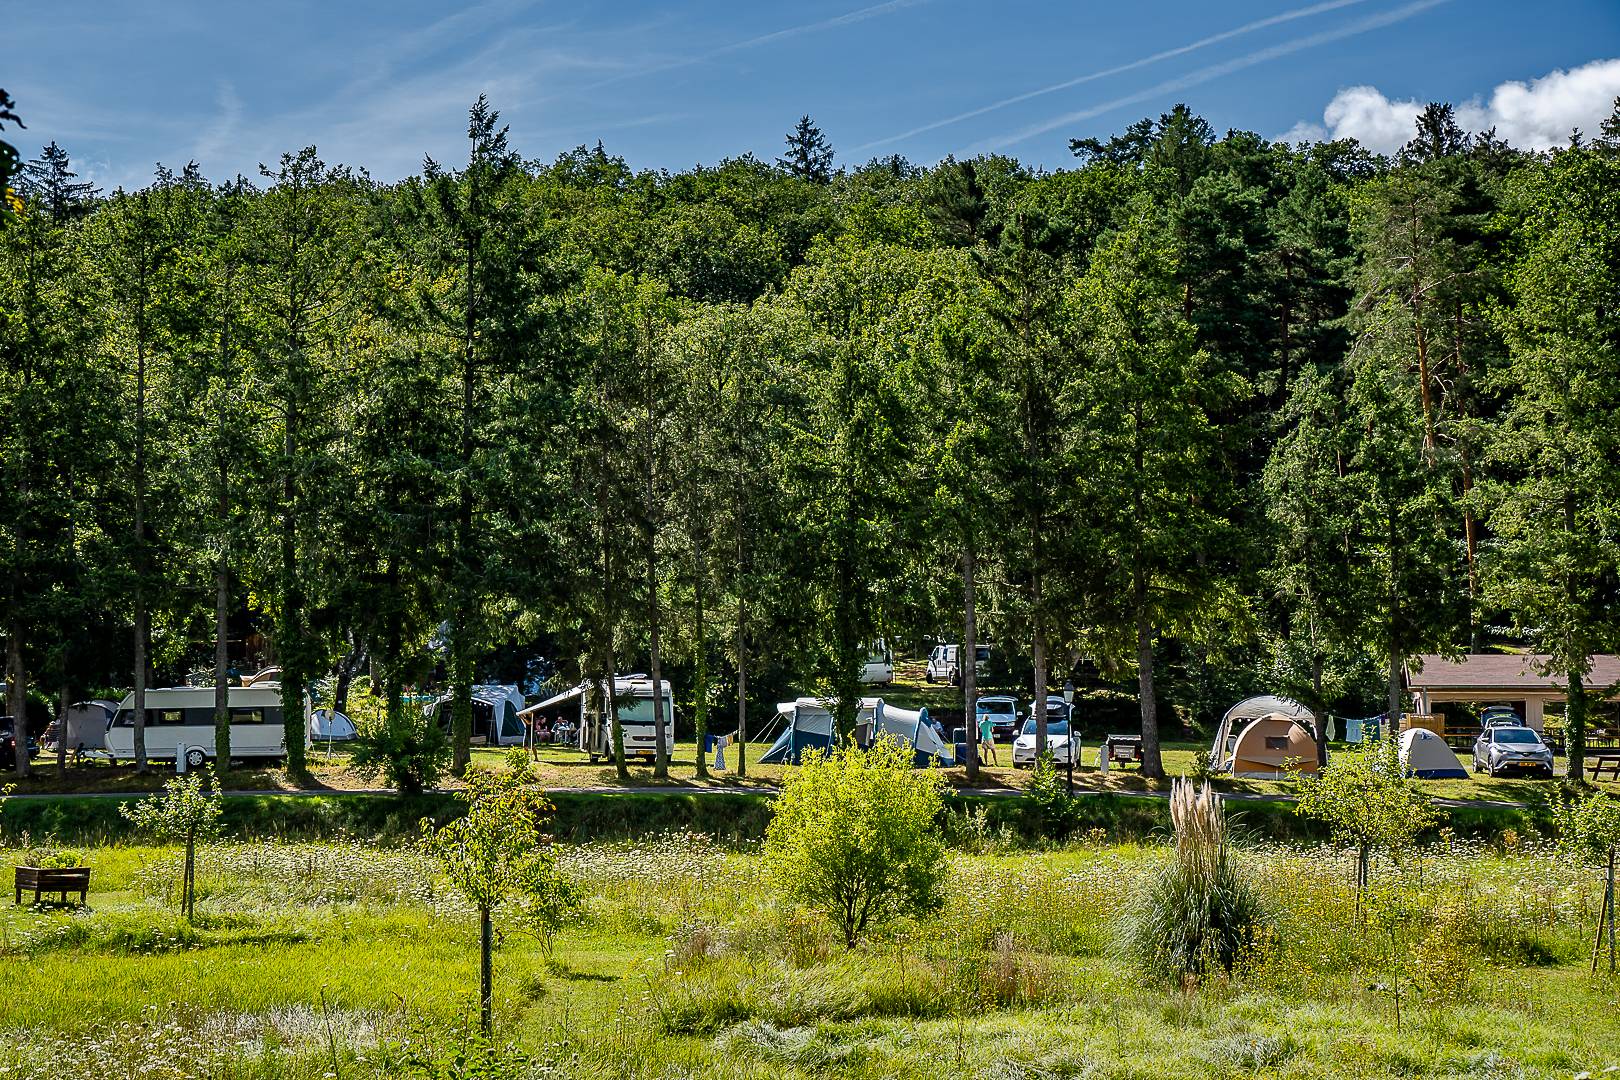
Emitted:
<point x="635" y="697"/>
<point x="184" y="716"/>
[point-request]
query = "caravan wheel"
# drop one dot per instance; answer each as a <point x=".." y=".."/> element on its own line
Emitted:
<point x="195" y="759"/>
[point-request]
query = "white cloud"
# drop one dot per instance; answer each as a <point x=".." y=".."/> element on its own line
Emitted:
<point x="1534" y="115"/>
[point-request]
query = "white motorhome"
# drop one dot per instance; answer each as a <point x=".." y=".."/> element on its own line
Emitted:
<point x="184" y="716"/>
<point x="634" y="694"/>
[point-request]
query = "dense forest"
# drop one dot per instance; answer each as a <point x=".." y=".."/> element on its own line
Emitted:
<point x="1198" y="416"/>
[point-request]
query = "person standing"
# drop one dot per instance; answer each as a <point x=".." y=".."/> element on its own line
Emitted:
<point x="987" y="739"/>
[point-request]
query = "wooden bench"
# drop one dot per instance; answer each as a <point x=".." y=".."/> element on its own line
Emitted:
<point x="59" y="880"/>
<point x="1606" y="764"/>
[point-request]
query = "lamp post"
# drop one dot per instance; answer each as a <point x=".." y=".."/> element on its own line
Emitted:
<point x="1068" y="700"/>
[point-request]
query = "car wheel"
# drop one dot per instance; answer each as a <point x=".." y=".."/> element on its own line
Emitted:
<point x="195" y="758"/>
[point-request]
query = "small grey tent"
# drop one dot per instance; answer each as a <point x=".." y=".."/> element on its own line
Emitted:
<point x="328" y="726"/>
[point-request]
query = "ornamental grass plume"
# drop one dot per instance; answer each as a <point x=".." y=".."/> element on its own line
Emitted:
<point x="1198" y="912"/>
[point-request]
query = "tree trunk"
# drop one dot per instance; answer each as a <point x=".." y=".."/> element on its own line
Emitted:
<point x="64" y="702"/>
<point x="610" y="711"/>
<point x="1575" y="724"/>
<point x="1152" y="760"/>
<point x="486" y="970"/>
<point x="17" y="696"/>
<point x="222" y="663"/>
<point x="1397" y="691"/>
<point x="1037" y="650"/>
<point x="1321" y="718"/>
<point x="461" y="710"/>
<point x="138" y="589"/>
<point x="970" y="666"/>
<point x="654" y="616"/>
<point x="700" y="674"/>
<point x="188" y="880"/>
<point x="742" y="689"/>
<point x="343" y="678"/>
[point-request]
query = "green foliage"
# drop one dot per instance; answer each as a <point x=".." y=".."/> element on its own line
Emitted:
<point x="1366" y="802"/>
<point x="189" y="807"/>
<point x="854" y="836"/>
<point x="497" y="854"/>
<point x="188" y="810"/>
<point x="1589" y="828"/>
<point x="409" y="751"/>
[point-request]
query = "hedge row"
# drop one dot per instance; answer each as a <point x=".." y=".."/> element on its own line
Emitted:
<point x="608" y="815"/>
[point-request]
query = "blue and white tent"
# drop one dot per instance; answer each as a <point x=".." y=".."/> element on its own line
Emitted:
<point x="1426" y="756"/>
<point x="808" y="726"/>
<point x="911" y="726"/>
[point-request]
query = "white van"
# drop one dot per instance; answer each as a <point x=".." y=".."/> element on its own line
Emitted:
<point x="184" y="716"/>
<point x="944" y="664"/>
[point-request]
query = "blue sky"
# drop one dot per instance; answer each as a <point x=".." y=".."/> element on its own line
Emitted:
<point x="379" y="84"/>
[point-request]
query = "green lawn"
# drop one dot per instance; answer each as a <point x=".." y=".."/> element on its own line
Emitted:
<point x="319" y="960"/>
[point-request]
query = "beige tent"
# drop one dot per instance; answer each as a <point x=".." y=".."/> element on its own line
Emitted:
<point x="1272" y="747"/>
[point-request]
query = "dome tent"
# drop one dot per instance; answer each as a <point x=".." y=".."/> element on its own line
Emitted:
<point x="1265" y="737"/>
<point x="911" y="726"/>
<point x="809" y="726"/>
<point x="1426" y="756"/>
<point x="326" y="725"/>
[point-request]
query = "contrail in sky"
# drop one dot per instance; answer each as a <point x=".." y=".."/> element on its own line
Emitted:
<point x="832" y="23"/>
<point x="1214" y="71"/>
<point x="1167" y="54"/>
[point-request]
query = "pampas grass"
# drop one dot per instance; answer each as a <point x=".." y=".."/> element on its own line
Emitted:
<point x="1198" y="913"/>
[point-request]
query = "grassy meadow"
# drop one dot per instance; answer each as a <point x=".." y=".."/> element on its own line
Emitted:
<point x="344" y="959"/>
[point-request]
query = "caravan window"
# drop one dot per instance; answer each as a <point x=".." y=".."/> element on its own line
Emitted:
<point x="157" y="717"/>
<point x="255" y="715"/>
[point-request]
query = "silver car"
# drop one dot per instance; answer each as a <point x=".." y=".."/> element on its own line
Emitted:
<point x="1503" y="748"/>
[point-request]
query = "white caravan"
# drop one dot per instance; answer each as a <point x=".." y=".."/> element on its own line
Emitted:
<point x="184" y="716"/>
<point x="634" y="694"/>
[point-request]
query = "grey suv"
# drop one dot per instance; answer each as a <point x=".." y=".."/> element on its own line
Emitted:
<point x="1504" y="748"/>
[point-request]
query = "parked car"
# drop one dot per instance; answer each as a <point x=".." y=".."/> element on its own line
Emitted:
<point x="1060" y="741"/>
<point x="1003" y="713"/>
<point x="944" y="664"/>
<point x="1503" y="748"/>
<point x="8" y="743"/>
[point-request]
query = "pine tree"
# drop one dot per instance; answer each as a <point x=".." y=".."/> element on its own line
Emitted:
<point x="1554" y="564"/>
<point x="49" y="180"/>
<point x="809" y="155"/>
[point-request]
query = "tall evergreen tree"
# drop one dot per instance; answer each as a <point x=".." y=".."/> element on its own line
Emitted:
<point x="1556" y="563"/>
<point x="51" y="181"/>
<point x="809" y="155"/>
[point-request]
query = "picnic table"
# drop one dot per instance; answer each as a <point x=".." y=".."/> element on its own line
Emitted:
<point x="1606" y="764"/>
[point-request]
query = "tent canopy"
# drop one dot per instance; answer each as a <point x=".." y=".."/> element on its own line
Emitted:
<point x="1426" y="756"/>
<point x="808" y="725"/>
<point x="1246" y="712"/>
<point x="1273" y="746"/>
<point x="326" y="725"/>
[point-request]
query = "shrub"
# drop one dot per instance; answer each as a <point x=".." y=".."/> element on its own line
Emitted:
<point x="1367" y="803"/>
<point x="408" y="750"/>
<point x="853" y="836"/>
<point x="1198" y="912"/>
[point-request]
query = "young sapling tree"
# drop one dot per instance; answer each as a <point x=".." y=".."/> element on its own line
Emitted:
<point x="1589" y="830"/>
<point x="187" y="810"/>
<point x="499" y="858"/>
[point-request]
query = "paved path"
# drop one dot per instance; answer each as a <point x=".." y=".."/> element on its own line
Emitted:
<point x="668" y="789"/>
